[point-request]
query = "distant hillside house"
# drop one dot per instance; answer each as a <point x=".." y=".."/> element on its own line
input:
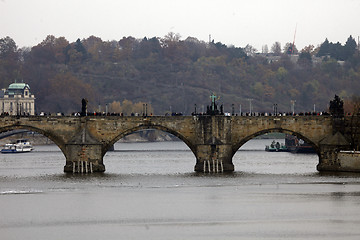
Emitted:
<point x="17" y="100"/>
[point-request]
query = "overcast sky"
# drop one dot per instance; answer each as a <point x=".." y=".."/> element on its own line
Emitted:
<point x="232" y="22"/>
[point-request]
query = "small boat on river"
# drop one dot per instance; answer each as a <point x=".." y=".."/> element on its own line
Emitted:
<point x="276" y="147"/>
<point x="20" y="146"/>
<point x="296" y="145"/>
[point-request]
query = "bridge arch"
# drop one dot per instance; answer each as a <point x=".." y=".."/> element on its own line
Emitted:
<point x="47" y="134"/>
<point x="272" y="130"/>
<point x="144" y="127"/>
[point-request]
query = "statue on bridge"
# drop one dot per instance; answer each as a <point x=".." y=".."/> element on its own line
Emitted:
<point x="337" y="107"/>
<point x="212" y="109"/>
<point x="84" y="103"/>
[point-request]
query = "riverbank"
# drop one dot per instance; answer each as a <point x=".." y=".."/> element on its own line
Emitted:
<point x="34" y="138"/>
<point x="151" y="135"/>
<point x="141" y="136"/>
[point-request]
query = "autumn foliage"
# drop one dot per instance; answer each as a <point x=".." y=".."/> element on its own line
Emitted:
<point x="170" y="74"/>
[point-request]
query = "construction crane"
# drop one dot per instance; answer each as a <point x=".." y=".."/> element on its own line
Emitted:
<point x="292" y="47"/>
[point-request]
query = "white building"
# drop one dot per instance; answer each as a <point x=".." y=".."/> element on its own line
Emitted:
<point x="17" y="100"/>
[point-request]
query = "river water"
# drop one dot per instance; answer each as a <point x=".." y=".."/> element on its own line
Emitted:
<point x="150" y="191"/>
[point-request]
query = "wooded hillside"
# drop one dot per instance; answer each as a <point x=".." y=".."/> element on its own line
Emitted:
<point x="171" y="74"/>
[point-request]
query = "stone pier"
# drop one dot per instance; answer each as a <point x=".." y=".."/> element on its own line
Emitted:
<point x="84" y="158"/>
<point x="214" y="158"/>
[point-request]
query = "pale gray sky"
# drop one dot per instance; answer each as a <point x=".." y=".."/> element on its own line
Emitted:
<point x="232" y="22"/>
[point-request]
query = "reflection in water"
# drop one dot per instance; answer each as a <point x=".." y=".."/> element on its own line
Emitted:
<point x="150" y="191"/>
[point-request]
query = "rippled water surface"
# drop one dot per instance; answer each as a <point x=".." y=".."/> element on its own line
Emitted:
<point x="150" y="191"/>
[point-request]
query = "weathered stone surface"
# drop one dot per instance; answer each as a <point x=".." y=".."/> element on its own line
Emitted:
<point x="349" y="161"/>
<point x="213" y="139"/>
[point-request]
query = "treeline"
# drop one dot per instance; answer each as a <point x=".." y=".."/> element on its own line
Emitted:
<point x="338" y="51"/>
<point x="172" y="75"/>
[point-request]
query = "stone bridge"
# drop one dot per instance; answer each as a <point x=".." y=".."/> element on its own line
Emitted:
<point x="213" y="139"/>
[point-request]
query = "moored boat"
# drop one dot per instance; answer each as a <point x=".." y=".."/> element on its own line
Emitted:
<point x="276" y="147"/>
<point x="20" y="146"/>
<point x="295" y="145"/>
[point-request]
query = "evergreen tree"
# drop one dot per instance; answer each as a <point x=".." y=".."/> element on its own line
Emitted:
<point x="324" y="48"/>
<point x="349" y="48"/>
<point x="79" y="47"/>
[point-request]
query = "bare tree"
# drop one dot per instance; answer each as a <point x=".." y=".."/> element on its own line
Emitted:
<point x="265" y="49"/>
<point x="250" y="50"/>
<point x="172" y="37"/>
<point x="276" y="48"/>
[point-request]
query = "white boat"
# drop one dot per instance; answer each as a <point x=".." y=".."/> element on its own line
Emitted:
<point x="20" y="146"/>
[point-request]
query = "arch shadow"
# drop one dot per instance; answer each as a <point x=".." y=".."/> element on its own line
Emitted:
<point x="144" y="127"/>
<point x="272" y="130"/>
<point x="58" y="142"/>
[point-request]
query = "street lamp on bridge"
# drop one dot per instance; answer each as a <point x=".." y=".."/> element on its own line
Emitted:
<point x="250" y="100"/>
<point x="293" y="106"/>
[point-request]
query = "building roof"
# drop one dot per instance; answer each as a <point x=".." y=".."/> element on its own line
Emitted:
<point x="18" y="86"/>
<point x="17" y="89"/>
